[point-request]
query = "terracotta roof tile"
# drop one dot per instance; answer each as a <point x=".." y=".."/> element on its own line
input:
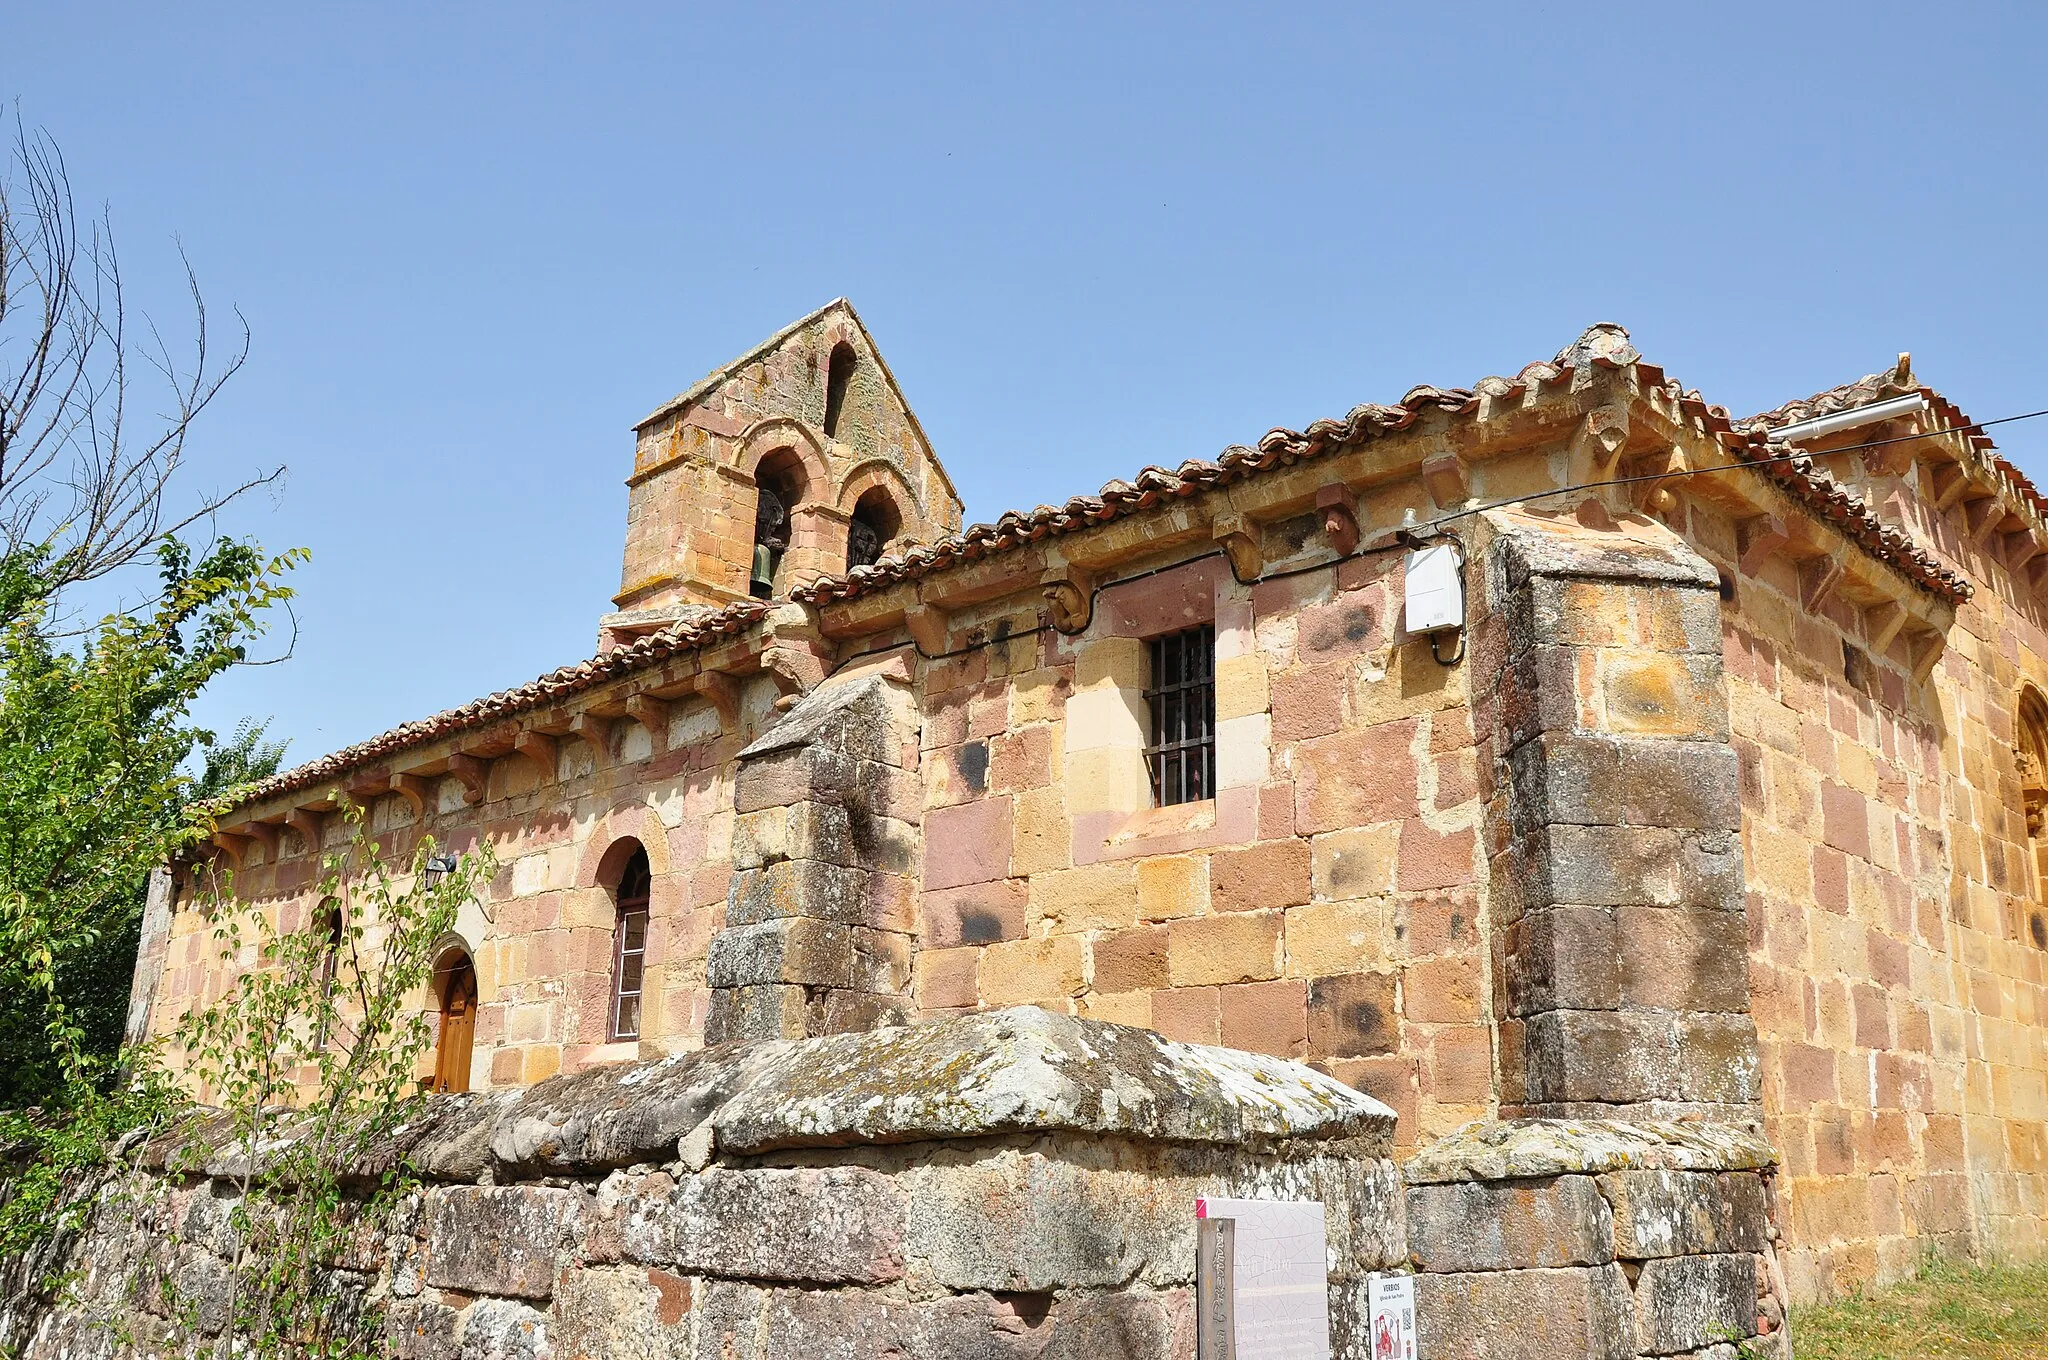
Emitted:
<point x="556" y="685"/>
<point x="1748" y="440"/>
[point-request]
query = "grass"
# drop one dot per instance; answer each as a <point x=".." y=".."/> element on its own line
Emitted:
<point x="1951" y="1311"/>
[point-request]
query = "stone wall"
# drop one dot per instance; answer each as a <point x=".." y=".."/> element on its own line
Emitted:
<point x="1897" y="988"/>
<point x="1310" y="910"/>
<point x="1008" y="1185"/>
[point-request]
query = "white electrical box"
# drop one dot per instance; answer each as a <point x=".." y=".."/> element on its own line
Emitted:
<point x="1436" y="589"/>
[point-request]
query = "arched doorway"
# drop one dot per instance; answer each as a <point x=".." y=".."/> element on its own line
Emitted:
<point x="455" y="988"/>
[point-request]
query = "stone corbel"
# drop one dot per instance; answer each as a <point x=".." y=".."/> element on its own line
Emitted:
<point x="1654" y="497"/>
<point x="1239" y="539"/>
<point x="1818" y="580"/>
<point x="2021" y="548"/>
<point x="2036" y="573"/>
<point x="1601" y="437"/>
<point x="1981" y="515"/>
<point x="1882" y="622"/>
<point x="724" y="693"/>
<point x="652" y="714"/>
<point x="232" y="845"/>
<point x="1946" y="481"/>
<point x="1447" y="479"/>
<point x="474" y="772"/>
<point x="307" y="822"/>
<point x="1758" y="539"/>
<point x="413" y="789"/>
<point x="796" y="672"/>
<point x="928" y="625"/>
<point x="1070" y="596"/>
<point x="264" y="834"/>
<point x="1338" y="509"/>
<point x="1924" y="645"/>
<point x="591" y="729"/>
<point x="539" y="748"/>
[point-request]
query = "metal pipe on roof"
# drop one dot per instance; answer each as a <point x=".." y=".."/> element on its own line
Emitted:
<point x="1849" y="419"/>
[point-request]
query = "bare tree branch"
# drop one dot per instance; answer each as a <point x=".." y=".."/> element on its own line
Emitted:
<point x="84" y="483"/>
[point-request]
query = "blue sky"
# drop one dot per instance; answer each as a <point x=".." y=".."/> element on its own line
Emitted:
<point x="474" y="243"/>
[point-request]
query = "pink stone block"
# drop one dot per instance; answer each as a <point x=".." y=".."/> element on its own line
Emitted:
<point x="967" y="843"/>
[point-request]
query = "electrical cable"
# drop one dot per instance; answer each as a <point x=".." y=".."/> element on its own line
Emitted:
<point x="1407" y="536"/>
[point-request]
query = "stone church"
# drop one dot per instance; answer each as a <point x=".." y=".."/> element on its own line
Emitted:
<point x="1557" y="746"/>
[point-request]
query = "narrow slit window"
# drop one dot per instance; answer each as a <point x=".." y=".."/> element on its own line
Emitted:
<point x="1182" y="752"/>
<point x="629" y="949"/>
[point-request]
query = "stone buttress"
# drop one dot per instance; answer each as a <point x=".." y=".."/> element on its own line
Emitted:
<point x="821" y="912"/>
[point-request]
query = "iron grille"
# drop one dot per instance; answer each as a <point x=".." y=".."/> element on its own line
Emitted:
<point x="1182" y="752"/>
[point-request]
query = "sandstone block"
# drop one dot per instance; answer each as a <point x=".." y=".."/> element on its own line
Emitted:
<point x="1265" y="1017"/>
<point x="1274" y="874"/>
<point x="1240" y="947"/>
<point x="1666" y="1213"/>
<point x="1624" y="1057"/>
<point x="1130" y="960"/>
<point x="1514" y="1225"/>
<point x="1326" y="938"/>
<point x="499" y="1239"/>
<point x="823" y="1225"/>
<point x="982" y="913"/>
<point x="1031" y="970"/>
<point x="1352" y="1016"/>
<point x="803" y="951"/>
<point x="1562" y="958"/>
<point x="1031" y="1222"/>
<point x="1172" y="886"/>
<point x="1683" y="958"/>
<point x="1686" y="1302"/>
<point x="967" y="843"/>
<point x="1576" y="1313"/>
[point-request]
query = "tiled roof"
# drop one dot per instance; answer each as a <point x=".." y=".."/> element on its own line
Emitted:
<point x="1800" y="478"/>
<point x="1875" y="387"/>
<point x="550" y="688"/>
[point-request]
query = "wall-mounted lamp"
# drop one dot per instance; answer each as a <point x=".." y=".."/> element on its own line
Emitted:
<point x="436" y="867"/>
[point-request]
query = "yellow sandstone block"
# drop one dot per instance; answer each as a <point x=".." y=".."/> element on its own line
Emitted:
<point x="1095" y="897"/>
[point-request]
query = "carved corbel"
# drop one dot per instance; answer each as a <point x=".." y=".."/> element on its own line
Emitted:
<point x="264" y="834"/>
<point x="2021" y="548"/>
<point x="1070" y="596"/>
<point x="1239" y="539"/>
<point x="234" y="847"/>
<point x="474" y="773"/>
<point x="1882" y="622"/>
<point x="796" y="672"/>
<point x="2036" y="573"/>
<point x="1654" y="497"/>
<point x="652" y="714"/>
<point x="1602" y="436"/>
<point x="724" y="693"/>
<point x="307" y="822"/>
<point x="591" y="730"/>
<point x="928" y="626"/>
<point x="539" y="748"/>
<point x="413" y="789"/>
<point x="1447" y="479"/>
<point x="1339" y="511"/>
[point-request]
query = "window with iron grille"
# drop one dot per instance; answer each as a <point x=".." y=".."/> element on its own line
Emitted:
<point x="629" y="948"/>
<point x="1182" y="752"/>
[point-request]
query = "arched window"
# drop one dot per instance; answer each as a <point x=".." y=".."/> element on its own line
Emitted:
<point x="455" y="988"/>
<point x="2032" y="757"/>
<point x="875" y="521"/>
<point x="838" y="376"/>
<point x="629" y="947"/>
<point x="779" y="486"/>
<point x="330" y="965"/>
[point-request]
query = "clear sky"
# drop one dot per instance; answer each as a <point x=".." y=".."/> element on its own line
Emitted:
<point x="476" y="242"/>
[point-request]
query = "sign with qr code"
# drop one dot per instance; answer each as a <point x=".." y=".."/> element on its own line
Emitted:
<point x="1392" y="1308"/>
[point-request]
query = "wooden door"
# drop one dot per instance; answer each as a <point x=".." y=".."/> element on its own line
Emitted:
<point x="458" y="1028"/>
